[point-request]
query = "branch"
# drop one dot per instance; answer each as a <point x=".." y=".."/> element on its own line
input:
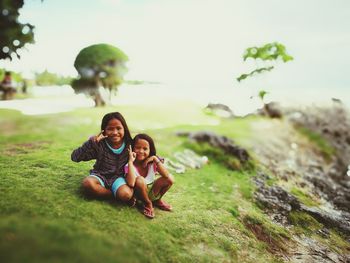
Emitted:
<point x="258" y="71"/>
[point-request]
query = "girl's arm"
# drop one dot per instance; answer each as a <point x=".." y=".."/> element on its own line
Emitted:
<point x="160" y="167"/>
<point x="130" y="174"/>
<point x="87" y="152"/>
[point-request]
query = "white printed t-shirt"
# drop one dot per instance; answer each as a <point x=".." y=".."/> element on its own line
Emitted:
<point x="151" y="174"/>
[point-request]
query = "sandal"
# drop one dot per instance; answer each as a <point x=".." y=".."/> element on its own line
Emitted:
<point x="148" y="212"/>
<point x="162" y="205"/>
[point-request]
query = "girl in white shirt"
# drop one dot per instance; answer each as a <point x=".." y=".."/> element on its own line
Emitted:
<point x="148" y="186"/>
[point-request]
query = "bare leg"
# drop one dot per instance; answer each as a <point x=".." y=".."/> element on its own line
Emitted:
<point x="141" y="191"/>
<point x="162" y="185"/>
<point x="93" y="188"/>
<point x="124" y="193"/>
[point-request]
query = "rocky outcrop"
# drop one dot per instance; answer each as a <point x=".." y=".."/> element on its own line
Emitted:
<point x="333" y="124"/>
<point x="220" y="110"/>
<point x="271" y="110"/>
<point x="275" y="197"/>
<point x="222" y="142"/>
<point x="281" y="203"/>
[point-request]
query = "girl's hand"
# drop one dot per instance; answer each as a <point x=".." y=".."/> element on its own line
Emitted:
<point x="99" y="137"/>
<point x="132" y="155"/>
<point x="151" y="159"/>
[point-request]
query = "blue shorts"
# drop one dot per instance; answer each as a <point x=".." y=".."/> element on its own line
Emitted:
<point x="115" y="185"/>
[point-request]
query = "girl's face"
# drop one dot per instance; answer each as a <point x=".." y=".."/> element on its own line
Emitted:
<point x="141" y="148"/>
<point x="115" y="131"/>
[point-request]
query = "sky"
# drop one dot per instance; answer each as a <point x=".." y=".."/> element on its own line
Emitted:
<point x="196" y="46"/>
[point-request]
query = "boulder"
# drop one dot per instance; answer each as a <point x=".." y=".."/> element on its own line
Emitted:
<point x="221" y="142"/>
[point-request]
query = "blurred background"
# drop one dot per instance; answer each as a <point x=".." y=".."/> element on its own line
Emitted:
<point x="183" y="50"/>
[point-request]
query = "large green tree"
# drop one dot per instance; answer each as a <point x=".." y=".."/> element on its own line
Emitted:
<point x="99" y="65"/>
<point x="13" y="34"/>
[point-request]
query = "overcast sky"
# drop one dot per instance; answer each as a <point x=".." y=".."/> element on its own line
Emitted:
<point x="198" y="43"/>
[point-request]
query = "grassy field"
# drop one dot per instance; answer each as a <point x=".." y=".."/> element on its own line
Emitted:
<point x="46" y="218"/>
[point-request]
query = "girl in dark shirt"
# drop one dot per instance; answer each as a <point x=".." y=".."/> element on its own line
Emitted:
<point x="110" y="150"/>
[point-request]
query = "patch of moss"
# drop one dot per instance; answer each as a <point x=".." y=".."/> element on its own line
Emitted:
<point x="272" y="236"/>
<point x="304" y="223"/>
<point x="326" y="149"/>
<point x="253" y="219"/>
<point x="338" y="243"/>
<point x="303" y="197"/>
<point x="234" y="211"/>
<point x="273" y="229"/>
<point x="218" y="155"/>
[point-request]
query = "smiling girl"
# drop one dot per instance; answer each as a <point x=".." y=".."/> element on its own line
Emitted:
<point x="146" y="166"/>
<point x="110" y="150"/>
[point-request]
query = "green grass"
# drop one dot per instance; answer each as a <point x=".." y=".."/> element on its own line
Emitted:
<point x="304" y="223"/>
<point x="326" y="149"/>
<point x="45" y="217"/>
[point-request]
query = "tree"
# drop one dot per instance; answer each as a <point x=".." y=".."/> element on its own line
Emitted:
<point x="13" y="34"/>
<point x="268" y="54"/>
<point x="100" y="65"/>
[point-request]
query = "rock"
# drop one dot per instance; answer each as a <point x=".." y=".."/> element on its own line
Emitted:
<point x="310" y="250"/>
<point x="220" y="110"/>
<point x="335" y="193"/>
<point x="190" y="159"/>
<point x="272" y="110"/>
<point x="342" y="202"/>
<point x="174" y="166"/>
<point x="276" y="198"/>
<point x="280" y="203"/>
<point x="325" y="176"/>
<point x="221" y="142"/>
<point x="333" y="123"/>
<point x="186" y="158"/>
<point x="341" y="222"/>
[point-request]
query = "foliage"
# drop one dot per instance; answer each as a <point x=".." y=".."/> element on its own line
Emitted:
<point x="47" y="78"/>
<point x="99" y="65"/>
<point x="270" y="51"/>
<point x="102" y="62"/>
<point x="259" y="70"/>
<point x="13" y="34"/>
<point x="16" y="77"/>
<point x="266" y="53"/>
<point x="262" y="94"/>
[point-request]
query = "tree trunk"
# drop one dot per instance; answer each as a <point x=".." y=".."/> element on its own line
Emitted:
<point x="99" y="102"/>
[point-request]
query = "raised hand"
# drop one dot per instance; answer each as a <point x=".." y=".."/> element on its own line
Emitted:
<point x="150" y="159"/>
<point x="132" y="155"/>
<point x="99" y="137"/>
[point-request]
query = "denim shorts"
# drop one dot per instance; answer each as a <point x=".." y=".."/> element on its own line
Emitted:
<point x="118" y="182"/>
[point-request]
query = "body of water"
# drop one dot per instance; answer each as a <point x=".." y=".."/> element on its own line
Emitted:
<point x="241" y="100"/>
